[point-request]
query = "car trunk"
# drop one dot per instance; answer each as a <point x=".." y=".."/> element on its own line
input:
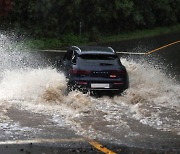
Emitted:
<point x="101" y="68"/>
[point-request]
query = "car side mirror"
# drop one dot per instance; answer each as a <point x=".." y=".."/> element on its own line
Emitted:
<point x="73" y="60"/>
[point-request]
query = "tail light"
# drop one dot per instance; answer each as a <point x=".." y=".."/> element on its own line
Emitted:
<point x="113" y="76"/>
<point x="79" y="72"/>
<point x="81" y="82"/>
<point x="116" y="73"/>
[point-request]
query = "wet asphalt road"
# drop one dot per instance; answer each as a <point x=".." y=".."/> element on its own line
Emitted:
<point x="56" y="140"/>
<point x="53" y="139"/>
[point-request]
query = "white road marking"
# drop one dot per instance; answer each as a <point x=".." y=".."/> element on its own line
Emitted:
<point x="41" y="141"/>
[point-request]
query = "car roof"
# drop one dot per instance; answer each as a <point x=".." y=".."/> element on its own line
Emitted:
<point x="93" y="50"/>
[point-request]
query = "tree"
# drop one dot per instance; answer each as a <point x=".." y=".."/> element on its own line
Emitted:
<point x="54" y="18"/>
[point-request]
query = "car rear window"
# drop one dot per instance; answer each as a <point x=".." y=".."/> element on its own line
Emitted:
<point x="98" y="57"/>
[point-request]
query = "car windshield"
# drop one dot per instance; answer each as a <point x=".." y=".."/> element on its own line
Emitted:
<point x="98" y="57"/>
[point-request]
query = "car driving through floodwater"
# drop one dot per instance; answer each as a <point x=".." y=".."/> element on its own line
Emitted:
<point x="36" y="109"/>
<point x="94" y="68"/>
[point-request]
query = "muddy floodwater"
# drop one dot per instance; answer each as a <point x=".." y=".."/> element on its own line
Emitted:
<point x="34" y="103"/>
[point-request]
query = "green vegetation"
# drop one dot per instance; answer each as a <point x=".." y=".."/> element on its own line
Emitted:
<point x="55" y="43"/>
<point x="56" y="18"/>
<point x="68" y="40"/>
<point x="142" y="33"/>
<point x="57" y="23"/>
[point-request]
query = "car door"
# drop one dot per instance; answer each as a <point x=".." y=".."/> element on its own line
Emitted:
<point x="67" y="62"/>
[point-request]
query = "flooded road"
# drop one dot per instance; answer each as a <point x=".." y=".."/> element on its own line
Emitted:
<point x="34" y="103"/>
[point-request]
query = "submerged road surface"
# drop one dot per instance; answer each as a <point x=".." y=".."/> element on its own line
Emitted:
<point x="38" y="116"/>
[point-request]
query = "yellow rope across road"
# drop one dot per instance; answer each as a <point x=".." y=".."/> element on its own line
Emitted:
<point x="162" y="47"/>
<point x="152" y="51"/>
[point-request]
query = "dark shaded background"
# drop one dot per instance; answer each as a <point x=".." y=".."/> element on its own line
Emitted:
<point x="54" y="18"/>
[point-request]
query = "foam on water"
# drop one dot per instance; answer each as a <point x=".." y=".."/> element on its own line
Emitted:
<point x="152" y="100"/>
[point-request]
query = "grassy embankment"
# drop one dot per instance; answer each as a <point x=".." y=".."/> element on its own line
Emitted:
<point x="67" y="40"/>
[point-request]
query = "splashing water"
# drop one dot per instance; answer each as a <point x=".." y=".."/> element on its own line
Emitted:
<point x="151" y="104"/>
